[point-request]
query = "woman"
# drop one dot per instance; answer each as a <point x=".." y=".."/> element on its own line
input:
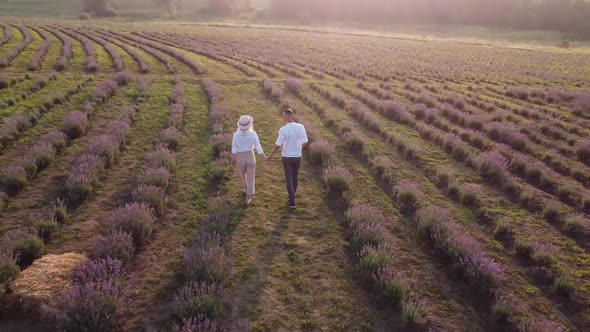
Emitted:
<point x="244" y="142"/>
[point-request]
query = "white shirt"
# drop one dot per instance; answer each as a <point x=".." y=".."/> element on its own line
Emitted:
<point x="246" y="142"/>
<point x="292" y="136"/>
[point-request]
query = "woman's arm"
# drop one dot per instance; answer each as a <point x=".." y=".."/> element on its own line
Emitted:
<point x="257" y="145"/>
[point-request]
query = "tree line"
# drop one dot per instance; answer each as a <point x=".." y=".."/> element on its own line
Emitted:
<point x="569" y="16"/>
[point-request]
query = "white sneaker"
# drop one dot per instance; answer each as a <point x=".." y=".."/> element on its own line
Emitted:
<point x="248" y="200"/>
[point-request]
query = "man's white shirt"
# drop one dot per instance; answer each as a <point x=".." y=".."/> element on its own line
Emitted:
<point x="292" y="136"/>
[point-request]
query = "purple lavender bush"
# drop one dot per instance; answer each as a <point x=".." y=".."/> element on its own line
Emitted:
<point x="137" y="219"/>
<point x="123" y="77"/>
<point x="374" y="259"/>
<point x="196" y="324"/>
<point x="294" y="85"/>
<point x="93" y="306"/>
<point x="367" y="233"/>
<point x="493" y="166"/>
<point x="159" y="177"/>
<point x="83" y="176"/>
<point x="75" y="124"/>
<point x="218" y="223"/>
<point x="105" y="90"/>
<point x="150" y="195"/>
<point x="13" y="179"/>
<point x="117" y="245"/>
<point x="407" y="197"/>
<point x="338" y="179"/>
<point x="212" y="90"/>
<point x="206" y="262"/>
<point x="321" y="152"/>
<point x="171" y="136"/>
<point x="56" y="138"/>
<point x="197" y="299"/>
<point x="364" y="213"/>
<point x="8" y="267"/>
<point x="43" y="153"/>
<point x="161" y="156"/>
<point x="104" y="146"/>
<point x="100" y="270"/>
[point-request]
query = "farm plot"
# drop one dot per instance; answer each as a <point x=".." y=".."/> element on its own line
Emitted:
<point x="445" y="187"/>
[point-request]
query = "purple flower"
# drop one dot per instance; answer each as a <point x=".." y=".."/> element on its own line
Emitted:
<point x="151" y="195"/>
<point x="105" y="90"/>
<point x="493" y="166"/>
<point x="198" y="299"/>
<point x="75" y="123"/>
<point x="56" y="138"/>
<point x="295" y="85"/>
<point x="13" y="178"/>
<point x="364" y="213"/>
<point x="135" y="218"/>
<point x="122" y="78"/>
<point x="171" y="136"/>
<point x="100" y="270"/>
<point x="117" y="245"/>
<point x="196" y="324"/>
<point x="118" y="129"/>
<point x="507" y="134"/>
<point x="337" y="178"/>
<point x="93" y="306"/>
<point x="206" y="261"/>
<point x="212" y="90"/>
<point x="159" y="177"/>
<point x="105" y="146"/>
<point x="161" y="156"/>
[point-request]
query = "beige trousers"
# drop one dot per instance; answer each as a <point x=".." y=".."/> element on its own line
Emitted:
<point x="246" y="163"/>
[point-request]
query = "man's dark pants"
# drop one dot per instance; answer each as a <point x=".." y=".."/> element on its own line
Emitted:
<point x="291" y="167"/>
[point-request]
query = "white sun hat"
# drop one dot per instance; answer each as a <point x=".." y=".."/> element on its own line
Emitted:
<point x="246" y="123"/>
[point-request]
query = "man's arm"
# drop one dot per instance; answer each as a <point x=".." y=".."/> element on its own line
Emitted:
<point x="272" y="153"/>
<point x="305" y="139"/>
<point x="278" y="144"/>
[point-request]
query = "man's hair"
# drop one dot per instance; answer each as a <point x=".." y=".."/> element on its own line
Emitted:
<point x="288" y="111"/>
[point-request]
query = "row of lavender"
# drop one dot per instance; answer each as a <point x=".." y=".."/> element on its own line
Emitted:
<point x="16" y="177"/>
<point x="469" y="194"/>
<point x="178" y="55"/>
<point x="553" y="153"/>
<point x="366" y="224"/>
<point x="24" y="92"/>
<point x="144" y="67"/>
<point x="37" y="60"/>
<point x="91" y="62"/>
<point x="23" y="246"/>
<point x="199" y="304"/>
<point x="127" y="229"/>
<point x="113" y="53"/>
<point x="18" y="49"/>
<point x="123" y="39"/>
<point x="198" y="48"/>
<point x="66" y="49"/>
<point x="454" y="142"/>
<point x="7" y="34"/>
<point x="447" y="237"/>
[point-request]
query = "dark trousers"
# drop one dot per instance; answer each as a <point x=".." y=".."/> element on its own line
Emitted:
<point x="291" y="168"/>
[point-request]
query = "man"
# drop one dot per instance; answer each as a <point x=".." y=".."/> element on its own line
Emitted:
<point x="292" y="139"/>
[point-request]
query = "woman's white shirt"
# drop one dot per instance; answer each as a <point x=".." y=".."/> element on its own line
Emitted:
<point x="245" y="142"/>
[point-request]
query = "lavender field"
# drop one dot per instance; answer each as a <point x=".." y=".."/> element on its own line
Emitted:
<point x="446" y="186"/>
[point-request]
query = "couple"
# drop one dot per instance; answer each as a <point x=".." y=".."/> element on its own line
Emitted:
<point x="292" y="139"/>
